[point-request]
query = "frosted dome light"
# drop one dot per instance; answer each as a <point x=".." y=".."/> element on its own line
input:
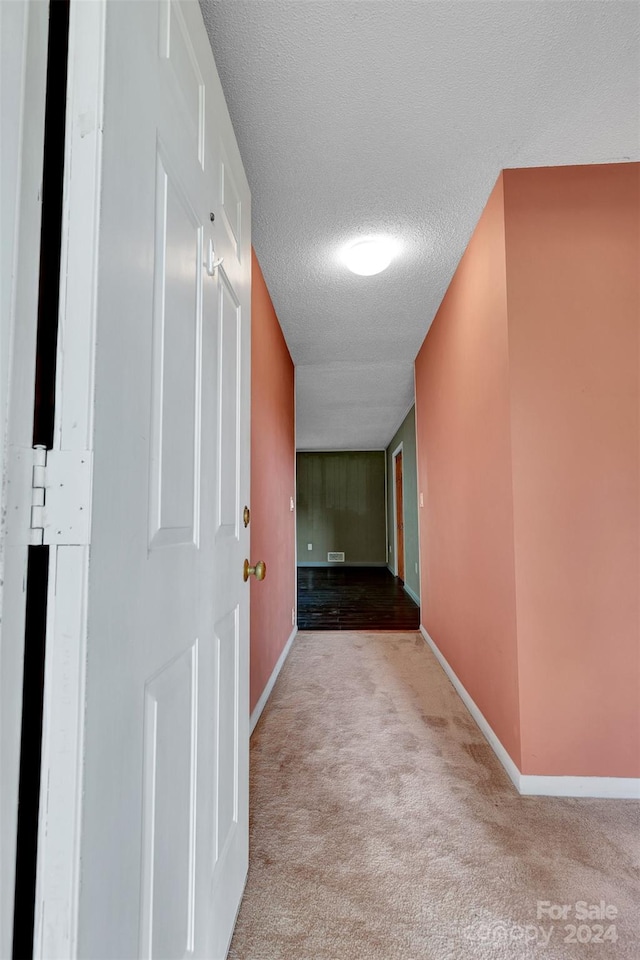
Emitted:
<point x="370" y="256"/>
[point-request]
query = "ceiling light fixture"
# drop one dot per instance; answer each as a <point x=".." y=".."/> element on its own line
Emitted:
<point x="369" y="256"/>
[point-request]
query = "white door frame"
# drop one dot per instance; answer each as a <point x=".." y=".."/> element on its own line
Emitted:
<point x="294" y="619"/>
<point x="398" y="449"/>
<point x="23" y="67"/>
<point x="63" y="716"/>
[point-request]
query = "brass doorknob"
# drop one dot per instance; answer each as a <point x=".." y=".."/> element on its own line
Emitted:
<point x="259" y="571"/>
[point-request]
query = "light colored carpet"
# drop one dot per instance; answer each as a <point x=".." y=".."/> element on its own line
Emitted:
<point x="383" y="827"/>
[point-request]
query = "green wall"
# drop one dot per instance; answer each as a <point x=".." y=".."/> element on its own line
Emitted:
<point x="341" y="506"/>
<point x="406" y="435"/>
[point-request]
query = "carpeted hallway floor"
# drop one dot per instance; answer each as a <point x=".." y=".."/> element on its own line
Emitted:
<point x="383" y="827"/>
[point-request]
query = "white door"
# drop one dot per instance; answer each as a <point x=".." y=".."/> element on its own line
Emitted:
<point x="160" y="834"/>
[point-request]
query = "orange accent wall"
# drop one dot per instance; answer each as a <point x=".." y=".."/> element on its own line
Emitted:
<point x="464" y="473"/>
<point x="273" y="456"/>
<point x="528" y="421"/>
<point x="573" y="280"/>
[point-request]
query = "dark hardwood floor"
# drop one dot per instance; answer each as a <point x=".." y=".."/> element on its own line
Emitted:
<point x="353" y="598"/>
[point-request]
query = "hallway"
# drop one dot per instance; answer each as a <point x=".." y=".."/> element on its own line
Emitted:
<point x="383" y="827"/>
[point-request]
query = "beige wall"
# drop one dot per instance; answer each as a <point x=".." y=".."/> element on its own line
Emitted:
<point x="341" y="506"/>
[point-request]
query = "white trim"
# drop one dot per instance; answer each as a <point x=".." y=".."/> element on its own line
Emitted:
<point x="500" y="752"/>
<point x="23" y="70"/>
<point x="414" y="596"/>
<point x="266" y="693"/>
<point x="59" y="823"/>
<point x="621" y="788"/>
<point x="343" y="563"/>
<point x="606" y="788"/>
<point x="398" y="449"/>
<point x="341" y="450"/>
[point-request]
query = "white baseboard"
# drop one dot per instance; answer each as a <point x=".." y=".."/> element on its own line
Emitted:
<point x="341" y="563"/>
<point x="414" y="596"/>
<point x="266" y="693"/>
<point x="620" y="788"/>
<point x="606" y="788"/>
<point x="512" y="771"/>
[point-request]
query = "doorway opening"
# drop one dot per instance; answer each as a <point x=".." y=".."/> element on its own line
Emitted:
<point x="357" y="536"/>
<point x="398" y="512"/>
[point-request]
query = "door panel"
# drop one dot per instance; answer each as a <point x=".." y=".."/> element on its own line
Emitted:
<point x="228" y="403"/>
<point x="177" y="309"/>
<point x="169" y="808"/>
<point x="186" y="83"/>
<point x="227" y="647"/>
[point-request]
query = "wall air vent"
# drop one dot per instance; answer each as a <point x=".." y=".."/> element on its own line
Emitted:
<point x="335" y="557"/>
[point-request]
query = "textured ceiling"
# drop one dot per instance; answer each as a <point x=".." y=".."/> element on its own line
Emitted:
<point x="396" y="116"/>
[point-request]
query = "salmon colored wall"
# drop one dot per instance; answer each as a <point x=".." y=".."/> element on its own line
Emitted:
<point x="528" y="427"/>
<point x="273" y="454"/>
<point x="464" y="474"/>
<point x="573" y="281"/>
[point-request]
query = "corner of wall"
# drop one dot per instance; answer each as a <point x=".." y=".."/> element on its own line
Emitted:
<point x="572" y="248"/>
<point x="505" y="179"/>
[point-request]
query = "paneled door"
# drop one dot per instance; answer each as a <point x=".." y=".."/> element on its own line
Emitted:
<point x="155" y="810"/>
